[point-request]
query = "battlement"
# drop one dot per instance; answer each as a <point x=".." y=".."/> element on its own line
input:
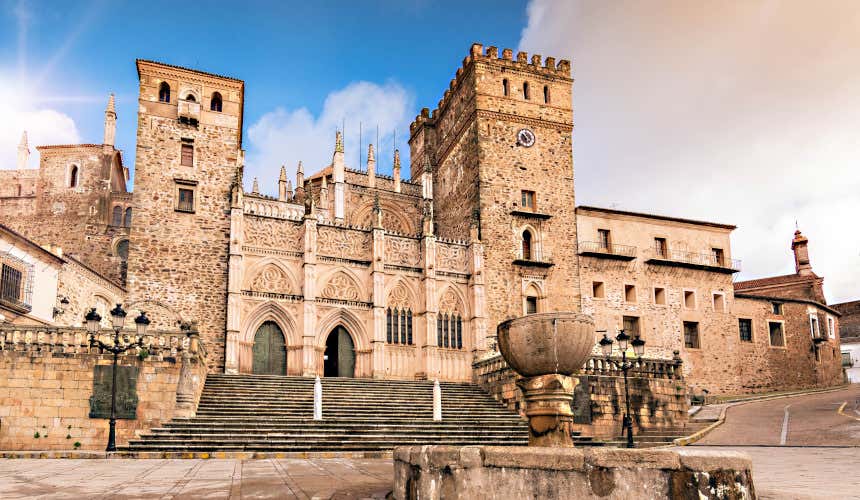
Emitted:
<point x="537" y="64"/>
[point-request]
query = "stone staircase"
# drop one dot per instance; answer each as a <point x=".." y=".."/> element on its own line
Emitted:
<point x="239" y="413"/>
<point x="645" y="439"/>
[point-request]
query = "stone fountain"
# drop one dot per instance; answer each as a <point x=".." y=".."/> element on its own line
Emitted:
<point x="546" y="350"/>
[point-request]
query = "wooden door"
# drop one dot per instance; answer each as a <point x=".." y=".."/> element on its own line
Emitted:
<point x="270" y="354"/>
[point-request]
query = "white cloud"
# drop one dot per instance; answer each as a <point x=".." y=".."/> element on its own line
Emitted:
<point x="43" y="126"/>
<point x="283" y="137"/>
<point x="744" y="112"/>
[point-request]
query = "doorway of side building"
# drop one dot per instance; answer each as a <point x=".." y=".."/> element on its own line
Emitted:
<point x="270" y="351"/>
<point x="339" y="356"/>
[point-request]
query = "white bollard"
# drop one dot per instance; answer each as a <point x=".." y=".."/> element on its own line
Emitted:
<point x="317" y="399"/>
<point x="437" y="402"/>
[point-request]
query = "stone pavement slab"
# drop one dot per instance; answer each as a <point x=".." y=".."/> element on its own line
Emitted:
<point x="295" y="478"/>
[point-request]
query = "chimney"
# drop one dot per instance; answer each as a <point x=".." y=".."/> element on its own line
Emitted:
<point x="801" y="254"/>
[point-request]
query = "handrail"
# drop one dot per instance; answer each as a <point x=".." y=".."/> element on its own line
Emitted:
<point x="607" y="248"/>
<point x="595" y="365"/>
<point x="702" y="259"/>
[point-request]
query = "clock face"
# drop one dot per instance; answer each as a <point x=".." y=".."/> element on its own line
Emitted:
<point x="526" y="137"/>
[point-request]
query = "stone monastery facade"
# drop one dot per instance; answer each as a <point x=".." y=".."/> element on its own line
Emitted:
<point x="352" y="273"/>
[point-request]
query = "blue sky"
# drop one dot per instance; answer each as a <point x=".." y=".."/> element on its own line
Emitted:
<point x="290" y="54"/>
<point x="743" y="112"/>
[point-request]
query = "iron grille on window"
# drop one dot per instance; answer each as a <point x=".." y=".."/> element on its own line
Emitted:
<point x="449" y="331"/>
<point x="398" y="326"/>
<point x="745" y="328"/>
<point x="16" y="283"/>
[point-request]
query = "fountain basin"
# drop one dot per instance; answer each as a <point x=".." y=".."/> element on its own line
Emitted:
<point x="547" y="343"/>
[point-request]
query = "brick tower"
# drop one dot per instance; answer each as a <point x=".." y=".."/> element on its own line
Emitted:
<point x="189" y="140"/>
<point x="500" y="148"/>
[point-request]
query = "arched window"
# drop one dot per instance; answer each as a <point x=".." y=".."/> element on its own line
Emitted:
<point x="398" y="326"/>
<point x="546" y="94"/>
<point x="164" y="92"/>
<point x="526" y="90"/>
<point x="527" y="245"/>
<point x="127" y="221"/>
<point x="190" y="98"/>
<point x="216" y="103"/>
<point x="449" y="330"/>
<point x="531" y="302"/>
<point x="122" y="253"/>
<point x="116" y="220"/>
<point x="73" y="176"/>
<point x="505" y="88"/>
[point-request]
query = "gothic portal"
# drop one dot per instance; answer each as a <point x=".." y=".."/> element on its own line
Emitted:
<point x="270" y="353"/>
<point x="339" y="358"/>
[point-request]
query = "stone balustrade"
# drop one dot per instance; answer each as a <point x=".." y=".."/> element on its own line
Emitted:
<point x="492" y="368"/>
<point x="72" y="340"/>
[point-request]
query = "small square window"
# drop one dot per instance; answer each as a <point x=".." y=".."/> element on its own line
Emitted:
<point x="813" y="326"/>
<point x="745" y="329"/>
<point x="660" y="296"/>
<point x="597" y="289"/>
<point x="187" y="159"/>
<point x="528" y="200"/>
<point x="691" y="335"/>
<point x="689" y="299"/>
<point x="777" y="336"/>
<point x="629" y="293"/>
<point x="777" y="307"/>
<point x="719" y="303"/>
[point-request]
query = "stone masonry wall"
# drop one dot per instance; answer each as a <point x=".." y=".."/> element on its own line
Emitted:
<point x="849" y="323"/>
<point x="658" y="396"/>
<point x="180" y="258"/>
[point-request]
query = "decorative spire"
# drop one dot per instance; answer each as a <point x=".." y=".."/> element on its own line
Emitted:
<point x="324" y="193"/>
<point x="256" y="187"/>
<point x="110" y="122"/>
<point x="338" y="142"/>
<point x="396" y="172"/>
<point x="23" y="152"/>
<point x="377" y="212"/>
<point x="324" y="182"/>
<point x="371" y="166"/>
<point x="289" y="189"/>
<point x="282" y="184"/>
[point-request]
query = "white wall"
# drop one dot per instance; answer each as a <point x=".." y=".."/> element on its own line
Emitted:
<point x="45" y="276"/>
<point x="853" y="373"/>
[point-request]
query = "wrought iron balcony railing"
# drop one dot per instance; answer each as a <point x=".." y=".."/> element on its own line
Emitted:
<point x="704" y="261"/>
<point x="607" y="250"/>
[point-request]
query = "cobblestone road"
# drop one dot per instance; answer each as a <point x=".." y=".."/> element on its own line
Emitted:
<point x="196" y="479"/>
<point x="801" y="446"/>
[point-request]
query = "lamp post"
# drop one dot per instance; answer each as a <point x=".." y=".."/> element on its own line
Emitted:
<point x="117" y="315"/>
<point x="639" y="349"/>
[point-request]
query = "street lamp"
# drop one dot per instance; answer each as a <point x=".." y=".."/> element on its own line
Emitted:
<point x="117" y="314"/>
<point x="639" y="349"/>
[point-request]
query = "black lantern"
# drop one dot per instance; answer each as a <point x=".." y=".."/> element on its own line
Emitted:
<point x="117" y="317"/>
<point x="625" y="366"/>
<point x="141" y="323"/>
<point x="93" y="321"/>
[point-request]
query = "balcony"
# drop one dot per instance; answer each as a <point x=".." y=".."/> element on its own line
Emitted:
<point x="607" y="251"/>
<point x="691" y="260"/>
<point x="544" y="263"/>
<point x="189" y="111"/>
<point x="530" y="215"/>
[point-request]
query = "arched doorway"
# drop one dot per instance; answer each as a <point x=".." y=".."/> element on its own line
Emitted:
<point x="270" y="353"/>
<point x="339" y="357"/>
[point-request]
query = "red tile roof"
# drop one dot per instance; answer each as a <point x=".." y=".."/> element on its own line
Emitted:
<point x="773" y="280"/>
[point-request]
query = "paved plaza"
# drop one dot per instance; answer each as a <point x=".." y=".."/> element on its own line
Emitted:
<point x="820" y="460"/>
<point x="196" y="479"/>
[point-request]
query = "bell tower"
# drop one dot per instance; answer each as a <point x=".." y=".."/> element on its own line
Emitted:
<point x="500" y="148"/>
<point x="189" y="155"/>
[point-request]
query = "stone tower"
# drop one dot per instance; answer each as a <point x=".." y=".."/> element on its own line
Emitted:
<point x="189" y="156"/>
<point x="799" y="245"/>
<point x="500" y="148"/>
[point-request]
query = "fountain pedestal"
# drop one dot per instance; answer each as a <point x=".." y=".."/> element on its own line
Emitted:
<point x="548" y="399"/>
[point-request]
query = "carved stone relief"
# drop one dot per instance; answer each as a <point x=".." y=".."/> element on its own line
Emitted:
<point x="341" y="287"/>
<point x="402" y="251"/>
<point x="343" y="243"/>
<point x="272" y="279"/>
<point x="269" y="233"/>
<point x="451" y="257"/>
